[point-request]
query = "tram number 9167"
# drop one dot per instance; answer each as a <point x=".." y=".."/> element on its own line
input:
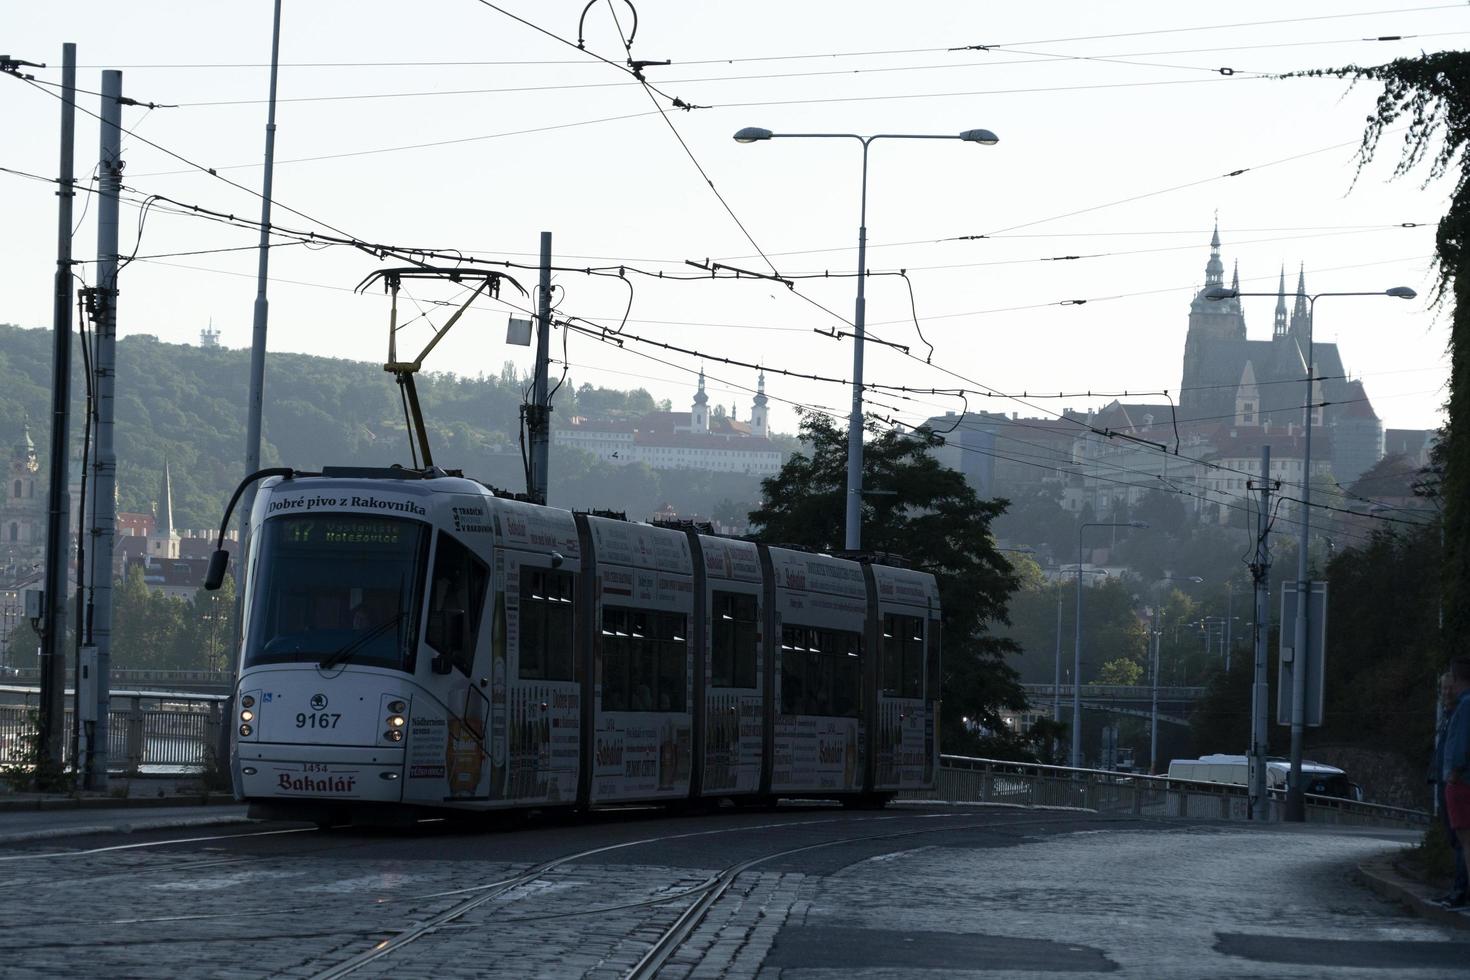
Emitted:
<point x="317" y="719"/>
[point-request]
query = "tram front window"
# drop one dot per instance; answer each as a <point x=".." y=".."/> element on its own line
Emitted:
<point x="337" y="589"/>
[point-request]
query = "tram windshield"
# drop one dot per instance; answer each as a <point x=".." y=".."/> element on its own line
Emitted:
<point x="337" y="589"/>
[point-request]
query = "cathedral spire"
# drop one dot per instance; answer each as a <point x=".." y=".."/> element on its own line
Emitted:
<point x="164" y="526"/>
<point x="1235" y="277"/>
<point x="1279" y="329"/>
<point x="1301" y="316"/>
<point x="1215" y="269"/>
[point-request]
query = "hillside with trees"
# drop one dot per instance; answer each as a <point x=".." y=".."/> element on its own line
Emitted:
<point x="187" y="405"/>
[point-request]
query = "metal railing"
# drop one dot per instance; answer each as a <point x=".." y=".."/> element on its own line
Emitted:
<point x="1041" y="694"/>
<point x="129" y="677"/>
<point x="157" y="731"/>
<point x="962" y="779"/>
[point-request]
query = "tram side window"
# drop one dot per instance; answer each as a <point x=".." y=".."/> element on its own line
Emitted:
<point x="933" y="665"/>
<point x="820" y="671"/>
<point x="546" y="624"/>
<point x="903" y="656"/>
<point x="645" y="660"/>
<point x="732" y="640"/>
<point x="455" y="603"/>
<point x="615" y="693"/>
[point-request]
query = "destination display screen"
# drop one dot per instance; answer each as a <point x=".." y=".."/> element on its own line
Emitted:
<point x="362" y="531"/>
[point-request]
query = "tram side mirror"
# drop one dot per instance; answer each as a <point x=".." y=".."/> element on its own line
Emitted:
<point x="218" y="563"/>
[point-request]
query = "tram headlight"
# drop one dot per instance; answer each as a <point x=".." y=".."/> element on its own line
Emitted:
<point x="394" y="735"/>
<point x="247" y="701"/>
<point x="247" y="715"/>
<point x="245" y="731"/>
<point x="397" y="707"/>
<point x="395" y="721"/>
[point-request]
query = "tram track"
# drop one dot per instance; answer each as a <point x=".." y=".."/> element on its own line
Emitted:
<point x="399" y="919"/>
<point x="705" y="895"/>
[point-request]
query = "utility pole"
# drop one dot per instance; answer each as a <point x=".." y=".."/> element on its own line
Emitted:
<point x="104" y="489"/>
<point x="1261" y="577"/>
<point x="58" y="500"/>
<point x="256" y="401"/>
<point x="1153" y="724"/>
<point x="538" y="414"/>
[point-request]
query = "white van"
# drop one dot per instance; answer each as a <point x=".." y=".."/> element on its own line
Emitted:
<point x="1318" y="779"/>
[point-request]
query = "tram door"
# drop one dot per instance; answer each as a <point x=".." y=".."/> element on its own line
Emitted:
<point x="536" y="701"/>
<point x="447" y="733"/>
<point x="731" y="725"/>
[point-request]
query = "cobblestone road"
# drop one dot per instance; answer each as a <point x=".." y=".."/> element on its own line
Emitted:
<point x="902" y="893"/>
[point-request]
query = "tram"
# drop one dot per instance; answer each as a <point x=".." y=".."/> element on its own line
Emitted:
<point x="413" y="641"/>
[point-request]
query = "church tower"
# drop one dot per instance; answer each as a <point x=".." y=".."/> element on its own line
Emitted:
<point x="1212" y="323"/>
<point x="1216" y="319"/>
<point x="758" y="409"/>
<point x="23" y="528"/>
<point x="164" y="541"/>
<point x="699" y="415"/>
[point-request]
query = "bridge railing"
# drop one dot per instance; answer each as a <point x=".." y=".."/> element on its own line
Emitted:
<point x="148" y="731"/>
<point x="1041" y="694"/>
<point x="963" y="779"/>
<point x="128" y="677"/>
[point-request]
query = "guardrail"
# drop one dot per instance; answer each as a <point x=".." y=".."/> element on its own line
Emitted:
<point x="962" y="779"/>
<point x="135" y="677"/>
<point x="1040" y="694"/>
<point x="157" y="731"/>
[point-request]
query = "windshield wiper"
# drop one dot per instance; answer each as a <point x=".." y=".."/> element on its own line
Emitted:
<point x="342" y="654"/>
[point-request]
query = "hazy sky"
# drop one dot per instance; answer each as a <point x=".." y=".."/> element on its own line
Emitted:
<point x="451" y="126"/>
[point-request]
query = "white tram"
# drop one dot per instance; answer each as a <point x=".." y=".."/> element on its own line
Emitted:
<point x="412" y="639"/>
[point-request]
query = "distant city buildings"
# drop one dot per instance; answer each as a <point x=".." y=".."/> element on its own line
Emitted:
<point x="698" y="439"/>
<point x="1236" y="396"/>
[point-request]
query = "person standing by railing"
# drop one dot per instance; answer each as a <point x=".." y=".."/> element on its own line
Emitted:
<point x="1455" y="774"/>
<point x="1456" y="896"/>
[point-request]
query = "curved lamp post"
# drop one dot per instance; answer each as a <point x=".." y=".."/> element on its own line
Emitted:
<point x="754" y="134"/>
<point x="1295" y="802"/>
<point x="1077" y="644"/>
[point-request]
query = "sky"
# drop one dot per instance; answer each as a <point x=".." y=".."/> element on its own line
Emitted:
<point x="1125" y="132"/>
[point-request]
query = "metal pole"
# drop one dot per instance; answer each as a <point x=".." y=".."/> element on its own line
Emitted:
<point x="1261" y="574"/>
<point x="256" y="399"/>
<point x="58" y="500"/>
<point x="1077" y="664"/>
<point x="1056" y="686"/>
<point x="1296" y="804"/>
<point x="104" y="501"/>
<point x="1153" y="724"/>
<point x="538" y="420"/>
<point x="854" y="529"/>
<point x="1229" y="612"/>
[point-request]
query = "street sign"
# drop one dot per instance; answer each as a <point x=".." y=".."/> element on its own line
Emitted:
<point x="1315" y="658"/>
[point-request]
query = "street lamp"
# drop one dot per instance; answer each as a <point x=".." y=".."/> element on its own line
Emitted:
<point x="1295" y="802"/>
<point x="754" y="134"/>
<point x="1077" y="645"/>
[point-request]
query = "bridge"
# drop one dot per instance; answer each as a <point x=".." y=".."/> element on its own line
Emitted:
<point x="1175" y="703"/>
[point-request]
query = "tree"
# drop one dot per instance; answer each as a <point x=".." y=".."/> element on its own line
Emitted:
<point x="1432" y="93"/>
<point x="1122" y="671"/>
<point x="928" y="513"/>
<point x="146" y="624"/>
